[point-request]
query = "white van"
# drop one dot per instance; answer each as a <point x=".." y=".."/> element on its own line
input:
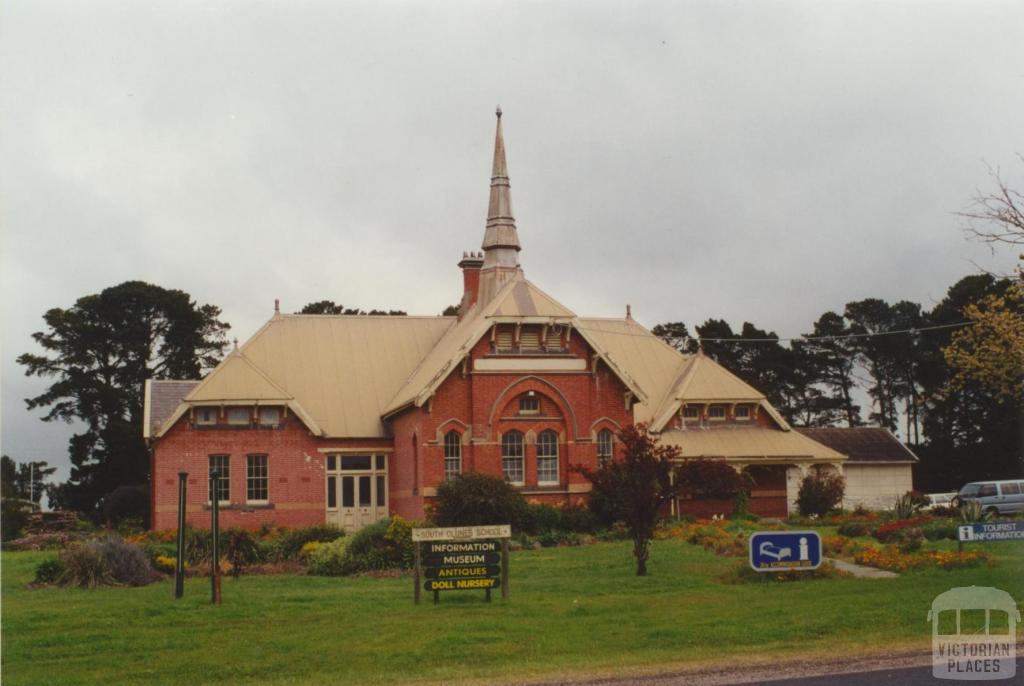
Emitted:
<point x="995" y="497"/>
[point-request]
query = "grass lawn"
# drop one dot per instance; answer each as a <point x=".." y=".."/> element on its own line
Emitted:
<point x="571" y="611"/>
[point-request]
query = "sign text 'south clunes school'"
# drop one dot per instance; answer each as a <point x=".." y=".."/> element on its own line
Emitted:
<point x="462" y="559"/>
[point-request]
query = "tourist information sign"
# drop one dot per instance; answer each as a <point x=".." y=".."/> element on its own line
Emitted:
<point x="776" y="551"/>
<point x="991" y="531"/>
<point x="461" y="559"/>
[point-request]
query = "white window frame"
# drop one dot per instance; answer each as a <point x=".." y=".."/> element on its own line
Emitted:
<point x="547" y="441"/>
<point x="223" y="480"/>
<point x="249" y="478"/>
<point x="513" y="464"/>
<point x="452" y="455"/>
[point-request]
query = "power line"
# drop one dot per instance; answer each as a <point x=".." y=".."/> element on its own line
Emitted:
<point x="800" y="339"/>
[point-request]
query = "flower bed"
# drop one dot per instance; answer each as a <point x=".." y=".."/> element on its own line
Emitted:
<point x="892" y="559"/>
<point x="892" y="531"/>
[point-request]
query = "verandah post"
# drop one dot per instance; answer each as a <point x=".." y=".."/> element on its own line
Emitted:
<point x="215" y="534"/>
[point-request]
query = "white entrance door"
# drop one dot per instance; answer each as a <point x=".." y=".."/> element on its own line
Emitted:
<point x="357" y="490"/>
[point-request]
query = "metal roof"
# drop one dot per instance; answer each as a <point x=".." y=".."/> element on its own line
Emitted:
<point x="752" y="442"/>
<point x="162" y="397"/>
<point x="862" y="443"/>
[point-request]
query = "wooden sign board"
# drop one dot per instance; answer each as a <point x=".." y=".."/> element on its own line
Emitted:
<point x="461" y="559"/>
<point x="462" y="533"/>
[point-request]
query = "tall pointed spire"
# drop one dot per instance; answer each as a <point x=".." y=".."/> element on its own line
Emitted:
<point x="501" y="240"/>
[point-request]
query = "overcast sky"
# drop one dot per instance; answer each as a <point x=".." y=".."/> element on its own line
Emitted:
<point x="761" y="161"/>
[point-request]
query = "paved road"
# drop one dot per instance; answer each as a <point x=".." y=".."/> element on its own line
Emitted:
<point x="907" y="676"/>
<point x="909" y="669"/>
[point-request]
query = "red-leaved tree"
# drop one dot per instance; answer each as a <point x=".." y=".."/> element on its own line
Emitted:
<point x="636" y="485"/>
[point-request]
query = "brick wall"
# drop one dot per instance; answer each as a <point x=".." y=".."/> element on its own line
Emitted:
<point x="296" y="484"/>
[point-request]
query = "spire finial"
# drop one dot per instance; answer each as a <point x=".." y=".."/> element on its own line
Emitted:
<point x="497" y="111"/>
<point x="277" y="306"/>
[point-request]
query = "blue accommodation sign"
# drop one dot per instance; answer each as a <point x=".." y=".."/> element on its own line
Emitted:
<point x="994" y="531"/>
<point x="777" y="551"/>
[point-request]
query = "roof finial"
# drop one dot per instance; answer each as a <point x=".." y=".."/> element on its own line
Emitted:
<point x="236" y="344"/>
<point x="629" y="312"/>
<point x="277" y="306"/>
<point x="497" y="111"/>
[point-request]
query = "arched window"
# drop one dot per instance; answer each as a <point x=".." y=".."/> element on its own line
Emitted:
<point x="547" y="458"/>
<point x="452" y="455"/>
<point x="604" y="447"/>
<point x="512" y="456"/>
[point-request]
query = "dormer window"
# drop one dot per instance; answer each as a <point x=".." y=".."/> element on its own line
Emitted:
<point x="529" y="340"/>
<point x="529" y="404"/>
<point x="205" y="416"/>
<point x="716" y="412"/>
<point x="270" y="416"/>
<point x="239" y="416"/>
<point x="503" y="339"/>
<point x="742" y="412"/>
<point x="553" y="342"/>
<point x="691" y="413"/>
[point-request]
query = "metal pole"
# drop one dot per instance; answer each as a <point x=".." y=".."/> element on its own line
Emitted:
<point x="179" y="563"/>
<point x="504" y="569"/>
<point x="416" y="574"/>
<point x="32" y="485"/>
<point x="215" y="535"/>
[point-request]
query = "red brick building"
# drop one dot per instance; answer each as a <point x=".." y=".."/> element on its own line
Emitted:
<point x="347" y="419"/>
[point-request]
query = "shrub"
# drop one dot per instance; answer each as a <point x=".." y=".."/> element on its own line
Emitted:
<point x="127" y="563"/>
<point x="854" y="529"/>
<point x="84" y="566"/>
<point x="579" y="519"/>
<point x="895" y="530"/>
<point x="820" y="492"/>
<point x="49" y="571"/>
<point x="940" y="529"/>
<point x="126" y="503"/>
<point x="906" y="506"/>
<point x="386" y="544"/>
<point x="165" y="564"/>
<point x="239" y="548"/>
<point x="198" y="546"/>
<point x="104" y="562"/>
<point x="328" y="559"/>
<point x="543" y="518"/>
<point x="911" y="540"/>
<point x="703" y="478"/>
<point x="479" y="499"/>
<point x="289" y="542"/>
<point x="970" y="511"/>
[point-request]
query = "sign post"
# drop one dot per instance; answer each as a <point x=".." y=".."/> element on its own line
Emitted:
<point x="778" y="551"/>
<point x="179" y="564"/>
<point x="461" y="559"/>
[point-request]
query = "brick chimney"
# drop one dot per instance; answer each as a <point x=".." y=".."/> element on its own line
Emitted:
<point x="470" y="265"/>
